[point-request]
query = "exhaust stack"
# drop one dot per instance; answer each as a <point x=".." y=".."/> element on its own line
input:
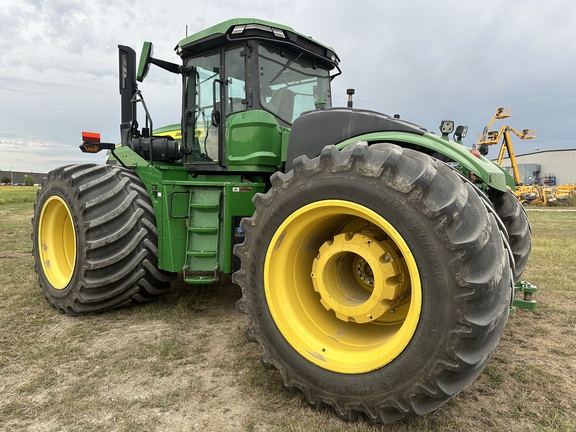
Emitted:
<point x="128" y="88"/>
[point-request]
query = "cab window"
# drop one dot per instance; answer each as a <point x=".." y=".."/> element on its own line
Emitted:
<point x="290" y="84"/>
<point x="202" y="110"/>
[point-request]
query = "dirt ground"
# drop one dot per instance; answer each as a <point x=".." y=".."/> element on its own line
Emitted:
<point x="141" y="369"/>
<point x="182" y="364"/>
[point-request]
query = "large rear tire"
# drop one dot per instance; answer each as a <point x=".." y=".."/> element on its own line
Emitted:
<point x="94" y="240"/>
<point x="515" y="219"/>
<point x="375" y="280"/>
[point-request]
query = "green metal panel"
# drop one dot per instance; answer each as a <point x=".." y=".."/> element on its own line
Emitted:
<point x="285" y="139"/>
<point x="510" y="182"/>
<point x="237" y="203"/>
<point x="172" y="226"/>
<point x="483" y="168"/>
<point x="253" y="142"/>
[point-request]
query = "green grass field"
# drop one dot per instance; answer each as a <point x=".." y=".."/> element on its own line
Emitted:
<point x="17" y="194"/>
<point x="182" y="363"/>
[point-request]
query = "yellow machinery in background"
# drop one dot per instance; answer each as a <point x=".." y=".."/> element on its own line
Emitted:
<point x="532" y="194"/>
<point x="490" y="137"/>
<point x="545" y="195"/>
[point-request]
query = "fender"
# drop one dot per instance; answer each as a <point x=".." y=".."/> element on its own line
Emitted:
<point x="342" y="127"/>
<point x="489" y="172"/>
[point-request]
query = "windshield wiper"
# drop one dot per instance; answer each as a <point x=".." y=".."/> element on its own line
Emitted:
<point x="286" y="66"/>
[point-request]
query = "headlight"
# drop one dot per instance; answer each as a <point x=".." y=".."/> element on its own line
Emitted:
<point x="461" y="132"/>
<point x="446" y="127"/>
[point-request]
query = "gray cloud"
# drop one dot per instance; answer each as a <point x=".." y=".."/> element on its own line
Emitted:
<point x="424" y="60"/>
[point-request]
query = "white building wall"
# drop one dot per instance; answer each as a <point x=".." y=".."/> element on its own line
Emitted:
<point x="561" y="163"/>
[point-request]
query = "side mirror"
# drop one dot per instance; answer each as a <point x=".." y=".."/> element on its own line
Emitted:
<point x="145" y="60"/>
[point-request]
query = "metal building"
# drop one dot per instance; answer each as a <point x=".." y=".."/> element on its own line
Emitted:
<point x="546" y="168"/>
<point x="19" y="176"/>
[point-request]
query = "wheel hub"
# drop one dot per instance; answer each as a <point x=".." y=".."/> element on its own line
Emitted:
<point x="364" y="272"/>
<point x="57" y="242"/>
<point x="342" y="286"/>
<point x="358" y="277"/>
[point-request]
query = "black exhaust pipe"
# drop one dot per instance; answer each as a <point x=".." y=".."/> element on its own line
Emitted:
<point x="128" y="88"/>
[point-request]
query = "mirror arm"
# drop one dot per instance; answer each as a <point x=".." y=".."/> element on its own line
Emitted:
<point x="170" y="67"/>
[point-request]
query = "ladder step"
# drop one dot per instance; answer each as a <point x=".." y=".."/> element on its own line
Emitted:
<point x="201" y="254"/>
<point x="203" y="230"/>
<point x="200" y="279"/>
<point x="204" y="206"/>
<point x="203" y="235"/>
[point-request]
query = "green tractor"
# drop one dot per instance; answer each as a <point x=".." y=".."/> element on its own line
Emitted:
<point x="376" y="260"/>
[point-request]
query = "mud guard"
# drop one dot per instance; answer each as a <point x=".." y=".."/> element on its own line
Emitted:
<point x="489" y="172"/>
<point x="344" y="126"/>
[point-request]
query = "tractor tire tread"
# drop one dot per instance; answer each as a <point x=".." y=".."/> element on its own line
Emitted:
<point x="515" y="219"/>
<point x="465" y="227"/>
<point x="117" y="253"/>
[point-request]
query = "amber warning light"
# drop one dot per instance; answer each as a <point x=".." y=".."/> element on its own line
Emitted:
<point x="91" y="143"/>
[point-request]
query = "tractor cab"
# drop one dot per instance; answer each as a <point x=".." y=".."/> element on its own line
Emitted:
<point x="244" y="83"/>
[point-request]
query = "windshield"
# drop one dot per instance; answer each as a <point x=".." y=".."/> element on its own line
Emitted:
<point x="291" y="84"/>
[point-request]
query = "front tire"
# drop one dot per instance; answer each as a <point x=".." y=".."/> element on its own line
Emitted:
<point x="94" y="240"/>
<point x="375" y="281"/>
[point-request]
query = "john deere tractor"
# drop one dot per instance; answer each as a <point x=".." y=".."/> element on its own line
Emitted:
<point x="376" y="259"/>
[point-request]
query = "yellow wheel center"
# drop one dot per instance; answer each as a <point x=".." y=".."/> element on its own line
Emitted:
<point x="357" y="277"/>
<point x="57" y="242"/>
<point x="342" y="286"/>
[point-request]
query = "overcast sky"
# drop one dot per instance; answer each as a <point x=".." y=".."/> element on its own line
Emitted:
<point x="425" y="60"/>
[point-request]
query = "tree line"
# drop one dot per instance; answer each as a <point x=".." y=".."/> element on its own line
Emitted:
<point x="28" y="180"/>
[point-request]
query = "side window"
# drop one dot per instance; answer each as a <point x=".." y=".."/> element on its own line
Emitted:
<point x="235" y="80"/>
<point x="206" y="103"/>
<point x="290" y="84"/>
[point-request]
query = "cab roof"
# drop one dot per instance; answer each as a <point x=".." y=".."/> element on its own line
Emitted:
<point x="252" y="28"/>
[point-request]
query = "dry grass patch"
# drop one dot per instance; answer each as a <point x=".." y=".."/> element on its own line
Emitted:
<point x="182" y="363"/>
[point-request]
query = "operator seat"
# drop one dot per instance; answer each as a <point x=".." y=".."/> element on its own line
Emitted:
<point x="282" y="103"/>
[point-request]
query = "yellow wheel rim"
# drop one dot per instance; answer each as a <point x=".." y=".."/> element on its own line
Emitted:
<point x="57" y="242"/>
<point x="342" y="286"/>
